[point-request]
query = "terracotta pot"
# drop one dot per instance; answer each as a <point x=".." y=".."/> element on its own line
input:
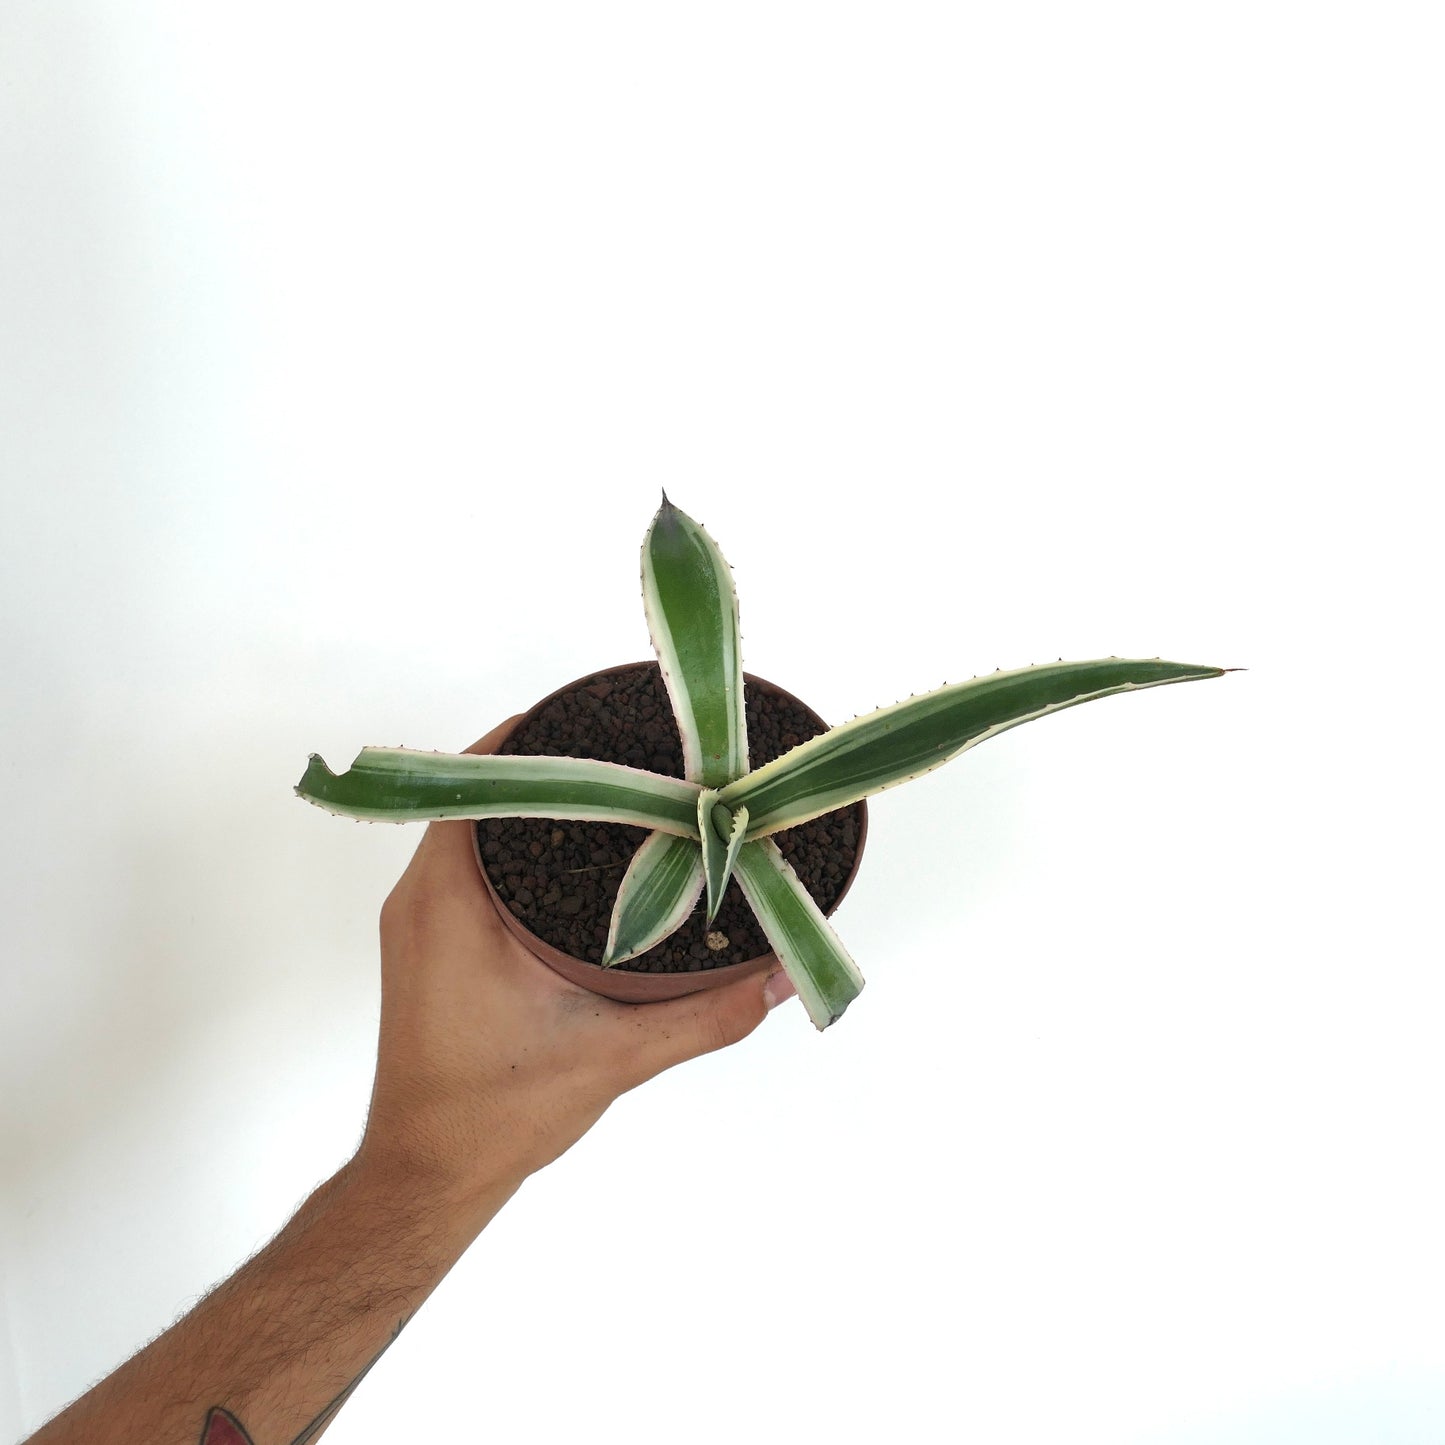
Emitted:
<point x="619" y="982"/>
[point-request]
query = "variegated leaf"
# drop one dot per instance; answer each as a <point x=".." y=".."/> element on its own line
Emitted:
<point x="736" y="839"/>
<point x="714" y="846"/>
<point x="722" y="832"/>
<point x="692" y="614"/>
<point x="659" y="890"/>
<point x="911" y="738"/>
<point x="812" y="955"/>
<point x="398" y="785"/>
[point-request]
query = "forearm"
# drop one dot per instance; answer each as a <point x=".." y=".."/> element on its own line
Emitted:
<point x="283" y="1341"/>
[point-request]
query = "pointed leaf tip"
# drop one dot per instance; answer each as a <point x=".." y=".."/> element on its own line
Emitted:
<point x="692" y="617"/>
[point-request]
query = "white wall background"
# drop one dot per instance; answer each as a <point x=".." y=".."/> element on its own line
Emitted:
<point x="343" y="352"/>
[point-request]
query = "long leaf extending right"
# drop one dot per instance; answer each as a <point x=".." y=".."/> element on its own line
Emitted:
<point x="397" y="785"/>
<point x="910" y="738"/>
<point x="812" y="955"/>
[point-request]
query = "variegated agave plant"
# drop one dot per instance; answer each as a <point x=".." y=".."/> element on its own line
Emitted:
<point x="715" y="823"/>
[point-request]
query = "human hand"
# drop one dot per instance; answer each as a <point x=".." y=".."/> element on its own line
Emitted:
<point x="489" y="1064"/>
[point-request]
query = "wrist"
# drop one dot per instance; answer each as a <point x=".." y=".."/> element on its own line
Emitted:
<point x="451" y="1202"/>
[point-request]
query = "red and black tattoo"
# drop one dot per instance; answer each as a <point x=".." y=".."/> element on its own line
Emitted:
<point x="223" y="1428"/>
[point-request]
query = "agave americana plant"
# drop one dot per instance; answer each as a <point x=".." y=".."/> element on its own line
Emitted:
<point x="717" y="822"/>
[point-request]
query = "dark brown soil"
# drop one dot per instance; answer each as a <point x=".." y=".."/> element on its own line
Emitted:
<point x="561" y="878"/>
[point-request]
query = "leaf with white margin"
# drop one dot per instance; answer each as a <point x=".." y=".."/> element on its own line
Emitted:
<point x="812" y="955"/>
<point x="400" y="785"/>
<point x="692" y="614"/>
<point x="659" y="890"/>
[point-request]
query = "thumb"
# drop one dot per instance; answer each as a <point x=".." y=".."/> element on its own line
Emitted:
<point x="702" y="1023"/>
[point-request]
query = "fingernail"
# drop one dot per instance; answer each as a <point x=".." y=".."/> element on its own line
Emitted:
<point x="778" y="987"/>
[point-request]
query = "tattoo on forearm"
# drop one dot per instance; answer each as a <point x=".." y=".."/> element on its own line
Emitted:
<point x="223" y="1428"/>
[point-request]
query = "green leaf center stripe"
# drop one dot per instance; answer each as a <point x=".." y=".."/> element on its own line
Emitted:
<point x="663" y="882"/>
<point x="714" y="847"/>
<point x="723" y="832"/>
<point x="692" y="614"/>
<point x="399" y="784"/>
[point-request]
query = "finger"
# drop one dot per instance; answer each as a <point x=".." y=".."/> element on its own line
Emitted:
<point x="701" y="1023"/>
<point x="493" y="739"/>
